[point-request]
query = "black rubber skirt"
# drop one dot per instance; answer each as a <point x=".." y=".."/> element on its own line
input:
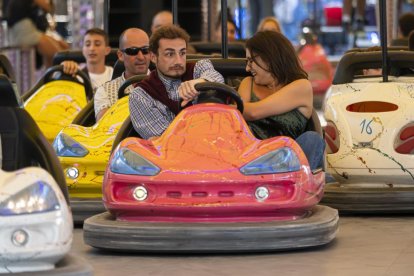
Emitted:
<point x="85" y="208"/>
<point x="319" y="227"/>
<point x="369" y="200"/>
<point x="68" y="266"/>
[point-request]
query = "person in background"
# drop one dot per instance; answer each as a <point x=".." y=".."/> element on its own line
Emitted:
<point x="134" y="53"/>
<point x="155" y="101"/>
<point x="411" y="41"/>
<point x="232" y="30"/>
<point x="22" y="16"/>
<point x="95" y="48"/>
<point x="269" y="23"/>
<point x="162" y="18"/>
<point x="359" y="17"/>
<point x="315" y="63"/>
<point x="405" y="26"/>
<point x="278" y="97"/>
<point x="290" y="14"/>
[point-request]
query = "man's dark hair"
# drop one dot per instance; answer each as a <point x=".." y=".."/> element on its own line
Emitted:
<point x="406" y="23"/>
<point x="279" y="55"/>
<point x="167" y="32"/>
<point x="98" y="31"/>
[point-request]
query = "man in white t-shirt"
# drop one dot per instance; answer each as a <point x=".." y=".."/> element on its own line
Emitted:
<point x="134" y="53"/>
<point x="95" y="48"/>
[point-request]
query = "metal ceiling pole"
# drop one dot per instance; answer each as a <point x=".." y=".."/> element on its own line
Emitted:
<point x="239" y="6"/>
<point x="224" y="43"/>
<point x="209" y="19"/>
<point x="175" y="11"/>
<point x="315" y="24"/>
<point x="383" y="34"/>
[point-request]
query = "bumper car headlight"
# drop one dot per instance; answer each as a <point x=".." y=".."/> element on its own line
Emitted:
<point x="129" y="162"/>
<point x="36" y="198"/>
<point x="65" y="146"/>
<point x="278" y="161"/>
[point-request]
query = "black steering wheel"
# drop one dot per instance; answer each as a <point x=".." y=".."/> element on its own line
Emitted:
<point x="214" y="92"/>
<point x="48" y="77"/>
<point x="128" y="82"/>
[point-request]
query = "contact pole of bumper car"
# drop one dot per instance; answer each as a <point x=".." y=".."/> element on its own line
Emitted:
<point x="239" y="6"/>
<point x="224" y="48"/>
<point x="175" y="12"/>
<point x="209" y="20"/>
<point x="383" y="32"/>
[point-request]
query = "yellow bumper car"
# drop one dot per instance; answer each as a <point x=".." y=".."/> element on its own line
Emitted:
<point x="84" y="152"/>
<point x="56" y="100"/>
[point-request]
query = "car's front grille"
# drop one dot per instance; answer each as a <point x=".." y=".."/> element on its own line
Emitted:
<point x="198" y="194"/>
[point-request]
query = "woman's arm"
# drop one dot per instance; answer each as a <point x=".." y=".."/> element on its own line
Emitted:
<point x="297" y="94"/>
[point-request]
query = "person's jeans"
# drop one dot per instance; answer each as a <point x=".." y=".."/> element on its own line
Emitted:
<point x="313" y="146"/>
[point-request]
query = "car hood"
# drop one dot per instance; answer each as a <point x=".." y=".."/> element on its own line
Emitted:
<point x="203" y="138"/>
<point x="100" y="136"/>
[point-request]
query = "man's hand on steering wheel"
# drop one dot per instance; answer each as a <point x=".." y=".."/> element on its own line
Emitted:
<point x="187" y="91"/>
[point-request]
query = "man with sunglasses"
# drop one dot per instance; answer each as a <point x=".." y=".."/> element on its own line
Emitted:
<point x="134" y="53"/>
<point x="155" y="101"/>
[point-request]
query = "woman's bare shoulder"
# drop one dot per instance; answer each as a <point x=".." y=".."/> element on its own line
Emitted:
<point x="303" y="85"/>
<point x="246" y="82"/>
<point x="245" y="89"/>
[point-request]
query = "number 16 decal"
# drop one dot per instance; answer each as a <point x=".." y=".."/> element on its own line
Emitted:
<point x="365" y="127"/>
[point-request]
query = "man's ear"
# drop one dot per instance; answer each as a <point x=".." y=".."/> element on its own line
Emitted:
<point x="153" y="57"/>
<point x="120" y="55"/>
<point x="107" y="50"/>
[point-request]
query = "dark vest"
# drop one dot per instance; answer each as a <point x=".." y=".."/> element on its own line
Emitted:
<point x="156" y="89"/>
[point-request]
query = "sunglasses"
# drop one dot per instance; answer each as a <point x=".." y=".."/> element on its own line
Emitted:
<point x="133" y="51"/>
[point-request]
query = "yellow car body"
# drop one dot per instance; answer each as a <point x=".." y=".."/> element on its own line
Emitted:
<point x="55" y="104"/>
<point x="97" y="140"/>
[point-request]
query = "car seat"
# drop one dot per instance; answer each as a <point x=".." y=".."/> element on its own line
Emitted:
<point x="22" y="142"/>
<point x="236" y="49"/>
<point x="7" y="68"/>
<point x="56" y="73"/>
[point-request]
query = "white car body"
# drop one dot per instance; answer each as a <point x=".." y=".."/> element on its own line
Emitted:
<point x="35" y="227"/>
<point x="367" y="140"/>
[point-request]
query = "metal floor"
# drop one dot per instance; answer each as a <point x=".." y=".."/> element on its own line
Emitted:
<point x="365" y="245"/>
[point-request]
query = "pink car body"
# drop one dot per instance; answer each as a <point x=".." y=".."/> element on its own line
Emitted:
<point x="200" y="157"/>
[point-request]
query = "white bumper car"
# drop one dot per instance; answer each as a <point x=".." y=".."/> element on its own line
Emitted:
<point x="370" y="134"/>
<point x="35" y="220"/>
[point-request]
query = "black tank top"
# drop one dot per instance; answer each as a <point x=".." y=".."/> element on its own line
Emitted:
<point x="292" y="123"/>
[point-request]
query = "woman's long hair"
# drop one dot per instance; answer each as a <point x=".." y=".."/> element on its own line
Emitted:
<point x="278" y="53"/>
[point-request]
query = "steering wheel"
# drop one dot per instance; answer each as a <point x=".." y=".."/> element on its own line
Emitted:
<point x="128" y="82"/>
<point x="214" y="92"/>
<point x="48" y="77"/>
